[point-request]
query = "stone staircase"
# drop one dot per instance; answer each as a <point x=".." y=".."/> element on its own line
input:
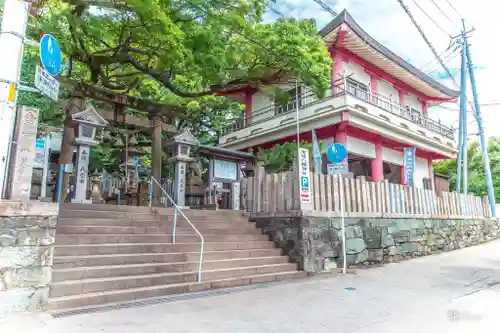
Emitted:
<point x="108" y="254"/>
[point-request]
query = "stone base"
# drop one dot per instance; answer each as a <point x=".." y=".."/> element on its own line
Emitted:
<point x="26" y="252"/>
<point x="316" y="242"/>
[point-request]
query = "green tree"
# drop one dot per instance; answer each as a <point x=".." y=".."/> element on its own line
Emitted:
<point x="476" y="178"/>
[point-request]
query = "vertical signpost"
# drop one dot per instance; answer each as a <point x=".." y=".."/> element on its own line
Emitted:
<point x="409" y="166"/>
<point x="337" y="154"/>
<point x="304" y="180"/>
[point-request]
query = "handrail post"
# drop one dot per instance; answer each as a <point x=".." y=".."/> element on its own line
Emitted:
<point x="178" y="209"/>
<point x="175" y="225"/>
<point x="150" y="194"/>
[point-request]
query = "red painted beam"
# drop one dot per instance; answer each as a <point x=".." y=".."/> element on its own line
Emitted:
<point x="387" y="77"/>
<point x="340" y="39"/>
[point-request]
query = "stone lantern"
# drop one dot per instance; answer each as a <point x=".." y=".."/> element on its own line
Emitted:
<point x="87" y="122"/>
<point x="180" y="146"/>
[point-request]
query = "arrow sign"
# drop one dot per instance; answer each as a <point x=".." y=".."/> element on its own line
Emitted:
<point x="50" y="54"/>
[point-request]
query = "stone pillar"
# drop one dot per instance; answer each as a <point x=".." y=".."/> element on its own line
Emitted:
<point x="82" y="174"/>
<point x="180" y="183"/>
<point x="156" y="158"/>
<point x="22" y="171"/>
<point x="235" y="195"/>
<point x="377" y="162"/>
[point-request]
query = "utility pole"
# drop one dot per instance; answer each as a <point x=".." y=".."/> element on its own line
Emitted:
<point x="12" y="38"/>
<point x="480" y="127"/>
<point x="463" y="120"/>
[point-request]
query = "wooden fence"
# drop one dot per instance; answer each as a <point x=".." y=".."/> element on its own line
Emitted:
<point x="277" y="193"/>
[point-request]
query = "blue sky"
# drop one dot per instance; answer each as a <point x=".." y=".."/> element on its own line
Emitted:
<point x="386" y="21"/>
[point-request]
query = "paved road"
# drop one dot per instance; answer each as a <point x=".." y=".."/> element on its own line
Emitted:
<point x="452" y="292"/>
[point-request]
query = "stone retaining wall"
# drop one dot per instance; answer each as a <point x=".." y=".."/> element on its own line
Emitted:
<point x="26" y="251"/>
<point x="315" y="242"/>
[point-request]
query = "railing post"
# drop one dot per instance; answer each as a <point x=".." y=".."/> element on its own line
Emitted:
<point x="150" y="192"/>
<point x="175" y="225"/>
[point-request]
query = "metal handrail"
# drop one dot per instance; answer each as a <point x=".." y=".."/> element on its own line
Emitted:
<point x="177" y="208"/>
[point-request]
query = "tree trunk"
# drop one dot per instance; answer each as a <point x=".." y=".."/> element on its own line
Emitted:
<point x="75" y="104"/>
<point x="156" y="158"/>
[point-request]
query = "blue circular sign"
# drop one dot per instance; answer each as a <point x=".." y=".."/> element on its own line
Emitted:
<point x="50" y="54"/>
<point x="336" y="153"/>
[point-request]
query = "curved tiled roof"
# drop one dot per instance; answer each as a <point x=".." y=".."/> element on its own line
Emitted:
<point x="345" y="17"/>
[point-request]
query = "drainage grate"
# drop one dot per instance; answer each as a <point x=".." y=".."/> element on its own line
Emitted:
<point x="166" y="299"/>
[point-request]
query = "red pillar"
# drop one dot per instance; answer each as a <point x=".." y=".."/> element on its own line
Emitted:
<point x="248" y="107"/>
<point x="373" y="85"/>
<point x="424" y="107"/>
<point x="431" y="175"/>
<point x="403" y="178"/>
<point x="377" y="162"/>
<point x="338" y="60"/>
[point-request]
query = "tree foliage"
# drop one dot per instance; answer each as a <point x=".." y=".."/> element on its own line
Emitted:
<point x="476" y="178"/>
<point x="172" y="51"/>
<point x="280" y="157"/>
<point x="185" y="55"/>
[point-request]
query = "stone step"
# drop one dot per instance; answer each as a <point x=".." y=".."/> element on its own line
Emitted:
<point x="94" y="249"/>
<point x="67" y="274"/>
<point x="191" y="237"/>
<point x="109" y="207"/>
<point x="65" y="221"/>
<point x="136" y="294"/>
<point x="146" y="258"/>
<point x="106" y="214"/>
<point x="137" y="230"/>
<point x="76" y="287"/>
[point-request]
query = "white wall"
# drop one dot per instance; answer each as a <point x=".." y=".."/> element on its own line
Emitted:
<point x="413" y="102"/>
<point x="421" y="171"/>
<point x="392" y="156"/>
<point x="360" y="147"/>
<point x="358" y="72"/>
<point x="386" y="89"/>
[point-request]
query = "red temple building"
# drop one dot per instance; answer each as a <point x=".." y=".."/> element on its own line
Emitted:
<point x="376" y="107"/>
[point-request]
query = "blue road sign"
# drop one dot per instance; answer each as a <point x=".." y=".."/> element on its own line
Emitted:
<point x="50" y="54"/>
<point x="336" y="153"/>
<point x="304" y="182"/>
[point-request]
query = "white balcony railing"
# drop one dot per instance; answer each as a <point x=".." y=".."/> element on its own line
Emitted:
<point x="305" y="100"/>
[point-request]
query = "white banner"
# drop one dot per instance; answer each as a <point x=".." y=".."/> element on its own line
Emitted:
<point x="304" y="175"/>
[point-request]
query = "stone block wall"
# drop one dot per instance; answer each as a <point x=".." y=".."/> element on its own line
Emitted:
<point x="316" y="242"/>
<point x="26" y="252"/>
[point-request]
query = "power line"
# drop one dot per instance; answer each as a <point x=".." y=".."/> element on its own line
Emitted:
<point x="453" y="7"/>
<point x="427" y="41"/>
<point x="430" y="18"/>
<point x="442" y="12"/>
<point x="326" y="7"/>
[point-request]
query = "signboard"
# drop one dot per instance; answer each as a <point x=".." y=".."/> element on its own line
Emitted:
<point x="225" y="170"/>
<point x="338" y="168"/>
<point x="409" y="165"/>
<point x="25" y="154"/>
<point x="304" y="176"/>
<point x="82" y="173"/>
<point x="50" y="54"/>
<point x="38" y="163"/>
<point x="46" y="84"/>
<point x="336" y="153"/>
